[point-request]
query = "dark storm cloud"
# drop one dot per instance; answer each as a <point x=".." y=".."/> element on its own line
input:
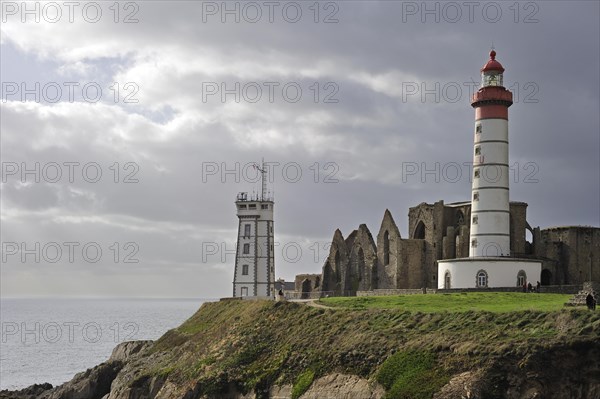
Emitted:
<point x="366" y="144"/>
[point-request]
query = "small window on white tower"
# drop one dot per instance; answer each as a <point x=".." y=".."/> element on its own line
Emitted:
<point x="244" y="270"/>
<point x="477" y="150"/>
<point x="475" y="219"/>
<point x="474" y="242"/>
<point x="475" y="196"/>
<point x="246" y="249"/>
<point x="264" y="206"/>
<point x="252" y="206"/>
<point x="478" y="129"/>
<point x="247" y="230"/>
<point x="477" y="173"/>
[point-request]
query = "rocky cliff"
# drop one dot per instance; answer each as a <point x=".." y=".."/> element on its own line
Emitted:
<point x="261" y="349"/>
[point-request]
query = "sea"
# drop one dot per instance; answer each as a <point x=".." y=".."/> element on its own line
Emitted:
<point x="50" y="340"/>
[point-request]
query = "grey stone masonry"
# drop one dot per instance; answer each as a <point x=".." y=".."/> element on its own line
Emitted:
<point x="588" y="287"/>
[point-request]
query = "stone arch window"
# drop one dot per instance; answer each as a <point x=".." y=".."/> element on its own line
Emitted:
<point x="492" y="249"/>
<point x="306" y="289"/>
<point x="528" y="239"/>
<point x="521" y="278"/>
<point x="546" y="277"/>
<point x="447" y="280"/>
<point x="386" y="248"/>
<point x="374" y="276"/>
<point x="338" y="271"/>
<point x="459" y="219"/>
<point x="329" y="279"/>
<point x="420" y="230"/>
<point x="360" y="264"/>
<point x="481" y="279"/>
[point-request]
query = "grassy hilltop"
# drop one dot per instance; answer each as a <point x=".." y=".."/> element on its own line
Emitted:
<point x="496" y="302"/>
<point x="411" y="345"/>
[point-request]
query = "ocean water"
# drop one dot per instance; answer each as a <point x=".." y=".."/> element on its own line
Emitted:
<point x="50" y="340"/>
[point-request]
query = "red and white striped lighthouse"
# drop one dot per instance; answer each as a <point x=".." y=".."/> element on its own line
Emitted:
<point x="490" y="218"/>
<point x="489" y="264"/>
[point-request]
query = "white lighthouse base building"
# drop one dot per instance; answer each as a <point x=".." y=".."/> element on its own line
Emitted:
<point x="493" y="272"/>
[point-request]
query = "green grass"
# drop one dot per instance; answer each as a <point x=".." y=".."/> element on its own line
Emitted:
<point x="303" y="383"/>
<point x="411" y="374"/>
<point x="497" y="302"/>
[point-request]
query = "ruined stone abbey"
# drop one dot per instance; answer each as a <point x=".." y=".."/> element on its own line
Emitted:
<point x="570" y="255"/>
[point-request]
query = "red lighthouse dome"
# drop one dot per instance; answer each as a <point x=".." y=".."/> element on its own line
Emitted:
<point x="492" y="64"/>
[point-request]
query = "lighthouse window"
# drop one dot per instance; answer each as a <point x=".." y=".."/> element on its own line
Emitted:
<point x="246" y="249"/>
<point x="492" y="79"/>
<point x="264" y="206"/>
<point x="478" y="129"/>
<point x="475" y="219"/>
<point x="477" y="173"/>
<point x="482" y="279"/>
<point x="475" y="196"/>
<point x="252" y="206"/>
<point x="244" y="270"/>
<point x="477" y="150"/>
<point x="474" y="243"/>
<point x="242" y="206"/>
<point x="246" y="230"/>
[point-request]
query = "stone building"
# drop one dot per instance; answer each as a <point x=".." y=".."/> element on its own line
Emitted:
<point x="570" y="255"/>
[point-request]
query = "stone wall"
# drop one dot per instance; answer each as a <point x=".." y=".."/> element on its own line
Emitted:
<point x="388" y="246"/>
<point x="518" y="229"/>
<point x="306" y="283"/>
<point x="384" y="292"/>
<point x="572" y="254"/>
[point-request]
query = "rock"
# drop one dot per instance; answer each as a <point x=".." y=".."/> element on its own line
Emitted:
<point x="91" y="384"/>
<point x="125" y="350"/>
<point x="281" y="392"/>
<point x="94" y="383"/>
<point x="466" y="385"/>
<point x="31" y="392"/>
<point x="342" y="386"/>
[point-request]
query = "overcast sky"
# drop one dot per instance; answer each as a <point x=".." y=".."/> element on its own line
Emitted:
<point x="359" y="105"/>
